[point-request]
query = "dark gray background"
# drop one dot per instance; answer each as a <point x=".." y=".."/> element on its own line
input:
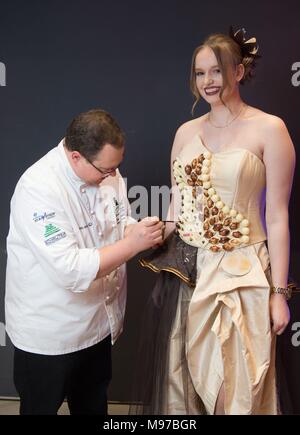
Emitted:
<point x="131" y="58"/>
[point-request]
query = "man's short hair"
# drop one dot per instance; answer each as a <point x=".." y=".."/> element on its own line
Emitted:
<point x="90" y="131"/>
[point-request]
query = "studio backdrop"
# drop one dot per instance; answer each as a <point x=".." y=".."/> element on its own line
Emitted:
<point x="132" y="58"/>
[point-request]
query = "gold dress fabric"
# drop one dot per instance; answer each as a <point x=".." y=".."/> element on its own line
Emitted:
<point x="228" y="334"/>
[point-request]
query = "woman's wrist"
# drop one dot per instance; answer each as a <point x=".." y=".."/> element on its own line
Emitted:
<point x="286" y="292"/>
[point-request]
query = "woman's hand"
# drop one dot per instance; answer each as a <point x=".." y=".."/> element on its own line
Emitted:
<point x="279" y="312"/>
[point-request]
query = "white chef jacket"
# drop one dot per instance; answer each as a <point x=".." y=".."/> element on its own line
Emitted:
<point x="53" y="303"/>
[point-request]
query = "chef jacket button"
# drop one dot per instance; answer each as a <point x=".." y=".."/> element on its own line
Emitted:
<point x="114" y="225"/>
<point x="82" y="190"/>
<point x="92" y="212"/>
<point x="107" y="298"/>
<point x="100" y="234"/>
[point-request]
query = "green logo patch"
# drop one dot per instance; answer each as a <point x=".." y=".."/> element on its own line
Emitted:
<point x="50" y="229"/>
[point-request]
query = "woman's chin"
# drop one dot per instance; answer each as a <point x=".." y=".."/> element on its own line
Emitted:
<point x="211" y="99"/>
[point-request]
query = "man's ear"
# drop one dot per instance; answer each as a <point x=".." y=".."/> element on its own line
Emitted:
<point x="75" y="156"/>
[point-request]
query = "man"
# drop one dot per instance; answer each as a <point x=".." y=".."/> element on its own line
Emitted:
<point x="70" y="235"/>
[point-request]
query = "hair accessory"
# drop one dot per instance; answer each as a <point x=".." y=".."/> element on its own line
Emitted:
<point x="249" y="47"/>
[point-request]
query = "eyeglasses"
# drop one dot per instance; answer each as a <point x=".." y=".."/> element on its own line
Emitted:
<point x="105" y="171"/>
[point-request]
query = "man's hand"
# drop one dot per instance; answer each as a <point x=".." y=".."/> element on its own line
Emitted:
<point x="138" y="237"/>
<point x="145" y="234"/>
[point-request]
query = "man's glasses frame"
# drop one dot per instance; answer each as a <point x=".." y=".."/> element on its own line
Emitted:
<point x="102" y="172"/>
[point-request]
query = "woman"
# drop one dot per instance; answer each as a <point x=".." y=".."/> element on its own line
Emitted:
<point x="229" y="290"/>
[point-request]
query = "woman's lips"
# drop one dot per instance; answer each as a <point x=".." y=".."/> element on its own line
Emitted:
<point x="212" y="91"/>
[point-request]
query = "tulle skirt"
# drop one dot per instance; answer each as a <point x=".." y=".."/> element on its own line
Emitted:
<point x="163" y="385"/>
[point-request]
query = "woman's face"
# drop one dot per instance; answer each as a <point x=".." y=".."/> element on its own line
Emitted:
<point x="209" y="78"/>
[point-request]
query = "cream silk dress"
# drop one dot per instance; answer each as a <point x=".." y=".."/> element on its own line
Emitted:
<point x="228" y="333"/>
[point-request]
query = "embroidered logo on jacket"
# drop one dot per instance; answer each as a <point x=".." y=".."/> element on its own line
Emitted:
<point x="83" y="227"/>
<point x="55" y="238"/>
<point x="43" y="216"/>
<point x="50" y="229"/>
<point x="119" y="210"/>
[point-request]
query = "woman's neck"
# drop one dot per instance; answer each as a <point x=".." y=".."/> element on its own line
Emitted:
<point x="221" y="114"/>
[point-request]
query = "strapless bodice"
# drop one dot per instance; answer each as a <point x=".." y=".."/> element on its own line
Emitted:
<point x="222" y="197"/>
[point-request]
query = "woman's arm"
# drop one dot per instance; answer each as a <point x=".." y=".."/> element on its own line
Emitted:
<point x="279" y="159"/>
<point x="173" y="211"/>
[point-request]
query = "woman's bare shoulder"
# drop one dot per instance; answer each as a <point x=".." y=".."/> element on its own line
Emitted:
<point x="185" y="133"/>
<point x="273" y="134"/>
<point x="191" y="127"/>
<point x="265" y="121"/>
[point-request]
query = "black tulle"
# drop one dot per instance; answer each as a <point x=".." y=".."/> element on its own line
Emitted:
<point x="152" y="354"/>
<point x="151" y="384"/>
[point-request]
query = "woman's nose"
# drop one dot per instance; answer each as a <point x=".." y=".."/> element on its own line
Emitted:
<point x="208" y="79"/>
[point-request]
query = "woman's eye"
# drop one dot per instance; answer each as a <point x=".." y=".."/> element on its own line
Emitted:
<point x="199" y="73"/>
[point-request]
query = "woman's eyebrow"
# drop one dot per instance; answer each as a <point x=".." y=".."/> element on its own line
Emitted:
<point x="200" y="69"/>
